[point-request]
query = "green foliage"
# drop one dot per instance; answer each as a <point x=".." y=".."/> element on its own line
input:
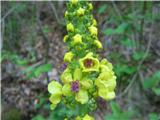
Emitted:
<point x="102" y="9"/>
<point x="123" y="69"/>
<point x="31" y="72"/>
<point x="153" y="116"/>
<point x="46" y="29"/>
<point x="128" y="43"/>
<point x="38" y="117"/>
<point x="152" y="82"/>
<point x="12" y="114"/>
<point x="138" y="55"/>
<point x="121" y="29"/>
<point x="118" y="114"/>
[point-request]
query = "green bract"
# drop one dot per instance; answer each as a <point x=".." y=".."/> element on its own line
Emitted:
<point x="85" y="78"/>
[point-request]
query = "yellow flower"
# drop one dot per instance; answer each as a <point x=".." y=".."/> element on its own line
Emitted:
<point x="106" y="81"/>
<point x="98" y="44"/>
<point x="87" y="117"/>
<point x="68" y="56"/>
<point x="74" y="2"/>
<point x="77" y="39"/>
<point x="90" y="6"/>
<point x="80" y="11"/>
<point x="65" y="38"/>
<point x="70" y="27"/>
<point x="89" y="63"/>
<point x="56" y="93"/>
<point x="77" y="86"/>
<point x="93" y="30"/>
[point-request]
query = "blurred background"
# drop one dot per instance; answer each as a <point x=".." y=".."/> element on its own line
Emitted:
<point x="33" y="49"/>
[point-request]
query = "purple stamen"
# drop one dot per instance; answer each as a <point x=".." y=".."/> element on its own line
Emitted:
<point x="88" y="63"/>
<point x="75" y="86"/>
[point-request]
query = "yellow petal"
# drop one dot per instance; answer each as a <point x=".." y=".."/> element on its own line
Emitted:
<point x="66" y="90"/>
<point x="53" y="106"/>
<point x="109" y="85"/>
<point x="66" y="76"/>
<point x="106" y="94"/>
<point x="107" y="63"/>
<point x="82" y="96"/>
<point x="86" y="83"/>
<point x="55" y="99"/>
<point x="77" y="74"/>
<point x="54" y="87"/>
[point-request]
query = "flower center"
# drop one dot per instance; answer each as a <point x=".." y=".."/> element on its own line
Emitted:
<point x="75" y="86"/>
<point x="88" y="63"/>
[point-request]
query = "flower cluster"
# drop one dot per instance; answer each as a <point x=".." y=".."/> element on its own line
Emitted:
<point x="85" y="78"/>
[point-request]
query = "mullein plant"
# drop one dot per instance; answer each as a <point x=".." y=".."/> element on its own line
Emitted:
<point x="85" y="78"/>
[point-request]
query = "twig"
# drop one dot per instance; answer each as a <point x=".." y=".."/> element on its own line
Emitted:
<point x="117" y="10"/>
<point x="9" y="12"/>
<point x="142" y="21"/>
<point x="59" y="21"/>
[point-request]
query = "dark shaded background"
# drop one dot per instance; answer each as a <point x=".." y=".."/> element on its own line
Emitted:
<point x="33" y="49"/>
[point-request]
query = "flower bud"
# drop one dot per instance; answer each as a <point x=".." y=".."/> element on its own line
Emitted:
<point x="65" y="38"/>
<point x="90" y="6"/>
<point x="68" y="57"/>
<point x="74" y="2"/>
<point x="80" y="11"/>
<point x="98" y="44"/>
<point x="94" y="22"/>
<point x="70" y="27"/>
<point x="77" y="39"/>
<point x="66" y="14"/>
<point x="93" y="30"/>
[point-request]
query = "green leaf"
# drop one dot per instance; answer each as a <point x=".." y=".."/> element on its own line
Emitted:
<point x="109" y="31"/>
<point x="138" y="55"/>
<point x="115" y="107"/>
<point x="152" y="81"/>
<point x="121" y="28"/>
<point x="128" y="43"/>
<point x="156" y="91"/>
<point x="42" y="69"/>
<point x="118" y="114"/>
<point x="102" y="9"/>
